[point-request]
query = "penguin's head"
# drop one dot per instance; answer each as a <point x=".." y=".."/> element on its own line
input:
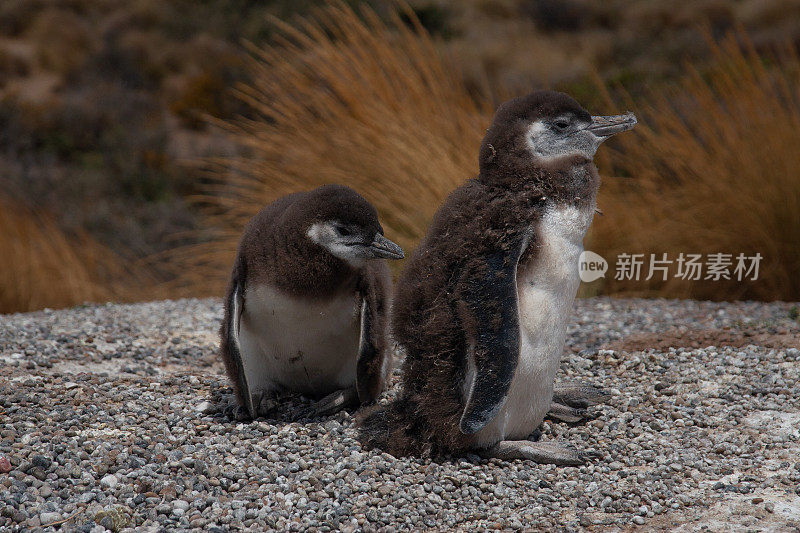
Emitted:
<point x="544" y="129"/>
<point x="346" y="225"/>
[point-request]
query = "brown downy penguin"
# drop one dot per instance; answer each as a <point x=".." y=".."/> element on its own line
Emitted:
<point x="307" y="304"/>
<point x="482" y="306"/>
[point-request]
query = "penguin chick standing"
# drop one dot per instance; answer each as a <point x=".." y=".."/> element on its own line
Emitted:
<point x="307" y="302"/>
<point x="481" y="308"/>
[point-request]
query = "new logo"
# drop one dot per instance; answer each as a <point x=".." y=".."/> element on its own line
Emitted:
<point x="591" y="266"/>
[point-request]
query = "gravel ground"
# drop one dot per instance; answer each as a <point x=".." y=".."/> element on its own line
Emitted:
<point x="120" y="416"/>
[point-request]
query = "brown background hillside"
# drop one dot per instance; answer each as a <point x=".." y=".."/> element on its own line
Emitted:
<point x="105" y="106"/>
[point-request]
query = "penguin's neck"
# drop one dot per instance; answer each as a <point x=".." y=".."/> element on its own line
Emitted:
<point x="317" y="273"/>
<point x="566" y="181"/>
<point x="578" y="187"/>
<point x="566" y="186"/>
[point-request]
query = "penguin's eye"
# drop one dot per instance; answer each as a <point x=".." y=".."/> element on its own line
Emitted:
<point x="561" y="124"/>
<point x="343" y="231"/>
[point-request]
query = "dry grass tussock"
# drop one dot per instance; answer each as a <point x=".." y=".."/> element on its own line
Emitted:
<point x="347" y="98"/>
<point x="42" y="267"/>
<point x="342" y="97"/>
<point x="714" y="167"/>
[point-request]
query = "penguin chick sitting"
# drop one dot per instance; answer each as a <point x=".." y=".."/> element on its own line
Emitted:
<point x="307" y="303"/>
<point x="482" y="306"/>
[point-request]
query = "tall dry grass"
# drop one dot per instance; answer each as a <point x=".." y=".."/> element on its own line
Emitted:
<point x="341" y="97"/>
<point x="42" y="267"/>
<point x="347" y="98"/>
<point x="714" y="167"/>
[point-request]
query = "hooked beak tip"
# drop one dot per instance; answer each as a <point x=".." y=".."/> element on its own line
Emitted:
<point x="384" y="248"/>
<point x="606" y="126"/>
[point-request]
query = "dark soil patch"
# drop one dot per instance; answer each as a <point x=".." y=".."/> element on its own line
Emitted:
<point x="701" y="338"/>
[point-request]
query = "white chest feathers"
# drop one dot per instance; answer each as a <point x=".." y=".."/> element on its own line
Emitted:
<point x="297" y="344"/>
<point x="546" y="289"/>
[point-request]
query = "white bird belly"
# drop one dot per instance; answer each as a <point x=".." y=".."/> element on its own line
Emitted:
<point x="546" y="290"/>
<point x="297" y="344"/>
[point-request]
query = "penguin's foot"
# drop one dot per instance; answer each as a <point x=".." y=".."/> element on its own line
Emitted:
<point x="540" y="452"/>
<point x="238" y="413"/>
<point x="566" y="413"/>
<point x="579" y="396"/>
<point x="570" y="402"/>
<point x="266" y="404"/>
<point x="332" y="403"/>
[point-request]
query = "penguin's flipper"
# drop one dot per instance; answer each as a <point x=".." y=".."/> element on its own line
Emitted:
<point x="488" y="310"/>
<point x="231" y="349"/>
<point x="373" y="355"/>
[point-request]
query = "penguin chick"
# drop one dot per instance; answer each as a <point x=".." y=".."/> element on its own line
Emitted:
<point x="482" y="306"/>
<point x="306" y="307"/>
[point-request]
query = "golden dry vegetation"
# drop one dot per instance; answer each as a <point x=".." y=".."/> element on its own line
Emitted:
<point x="711" y="168"/>
<point x="41" y="266"/>
<point x="714" y="169"/>
<point x="377" y="103"/>
<point x="344" y="99"/>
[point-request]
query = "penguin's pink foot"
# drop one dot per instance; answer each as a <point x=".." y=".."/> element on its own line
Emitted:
<point x="540" y="452"/>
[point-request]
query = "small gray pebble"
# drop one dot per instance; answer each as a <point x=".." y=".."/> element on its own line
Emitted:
<point x="180" y="504"/>
<point x="686" y="420"/>
<point x="49" y="518"/>
<point x="110" y="481"/>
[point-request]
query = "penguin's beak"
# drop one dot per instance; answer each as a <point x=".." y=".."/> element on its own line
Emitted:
<point x="611" y="125"/>
<point x="383" y="247"/>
